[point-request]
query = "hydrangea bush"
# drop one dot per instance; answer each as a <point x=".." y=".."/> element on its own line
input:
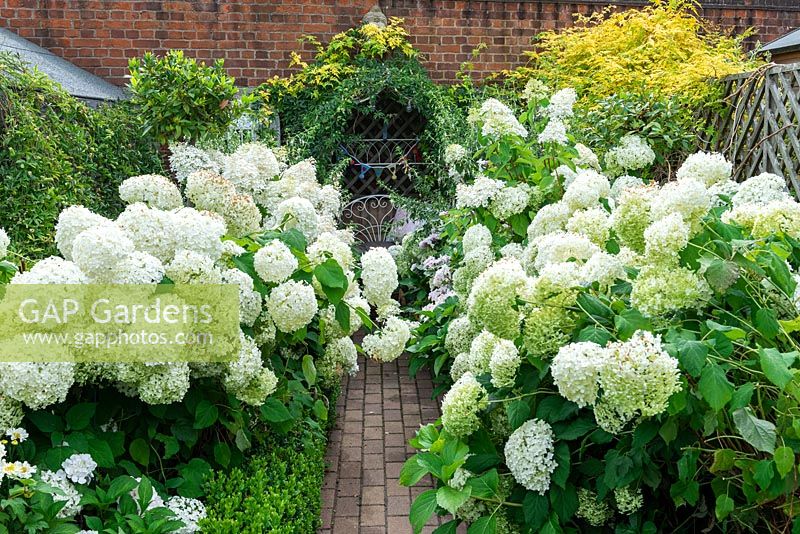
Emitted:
<point x="244" y="218"/>
<point x="615" y="355"/>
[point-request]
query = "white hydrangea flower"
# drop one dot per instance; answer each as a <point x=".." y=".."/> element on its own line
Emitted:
<point x="510" y="201"/>
<point x="342" y="356"/>
<point x="79" y="468"/>
<point x="390" y="342"/>
<point x="162" y="383"/>
<point x="250" y="167"/>
<point x="152" y="231"/>
<point x="504" y="363"/>
<point x="535" y="90"/>
<point x="594" y="223"/>
<point x="69" y="495"/>
<point x="138" y="268"/>
<point x="689" y="198"/>
<point x="586" y="190"/>
<point x="208" y="190"/>
<point x="52" y="270"/>
<point x="512" y="250"/>
<point x="246" y="378"/>
<point x="249" y="299"/>
<point x="629" y="500"/>
<point x="275" y="262"/>
<point x="190" y="511"/>
<point x="665" y="239"/>
<point x="491" y="303"/>
<point x="99" y="250"/>
<point x="184" y="159"/>
<point x="561" y="104"/>
<point x="621" y="183"/>
<point x="379" y="276"/>
<point x="576" y="370"/>
<point x="761" y="189"/>
<point x="604" y="268"/>
<point x="71" y="222"/>
<point x="550" y="218"/>
<point x="530" y="457"/>
<point x="479" y="194"/>
<point x="764" y="220"/>
<point x="566" y="174"/>
<point x="4" y="243"/>
<point x="708" y="168"/>
<point x="460" y="332"/>
<point x="662" y="289"/>
<point x="241" y="215"/>
<point x="461" y="405"/>
<point x="632" y="153"/>
<point x="560" y="247"/>
<point x="586" y="158"/>
<point x="497" y="120"/>
<point x="477" y="236"/>
<point x="292" y="305"/>
<point x="728" y="188"/>
<point x="298" y="213"/>
<point x="555" y="131"/>
<point x="590" y="509"/>
<point x="454" y="153"/>
<point x="190" y="267"/>
<point x="152" y="189"/>
<point x="330" y="244"/>
<point x="199" y="231"/>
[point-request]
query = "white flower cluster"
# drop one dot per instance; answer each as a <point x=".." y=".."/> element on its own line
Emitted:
<point x="379" y="276"/>
<point x="708" y="168"/>
<point x="496" y="120"/>
<point x="275" y="262"/>
<point x="461" y="405"/>
<point x="152" y="189"/>
<point x="636" y="378"/>
<point x="184" y="159"/>
<point x="631" y="154"/>
<point x="529" y="454"/>
<point x="190" y="511"/>
<point x="4" y="243"/>
<point x="558" y="111"/>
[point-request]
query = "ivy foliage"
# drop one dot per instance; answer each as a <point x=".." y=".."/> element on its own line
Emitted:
<point x="55" y="152"/>
<point x="353" y="74"/>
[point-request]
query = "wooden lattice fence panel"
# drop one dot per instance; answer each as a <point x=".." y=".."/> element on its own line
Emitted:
<point x="759" y="128"/>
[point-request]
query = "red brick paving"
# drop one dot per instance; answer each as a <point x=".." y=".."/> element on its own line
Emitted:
<point x="379" y="410"/>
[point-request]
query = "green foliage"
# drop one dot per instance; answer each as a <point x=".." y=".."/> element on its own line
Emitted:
<point x="278" y="490"/>
<point x="181" y="99"/>
<point x="56" y="152"/>
<point x="356" y="73"/>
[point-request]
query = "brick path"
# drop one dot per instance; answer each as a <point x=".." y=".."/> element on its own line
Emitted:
<point x="379" y="409"/>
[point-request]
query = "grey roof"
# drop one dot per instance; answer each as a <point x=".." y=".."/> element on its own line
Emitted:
<point x="76" y="81"/>
<point x="785" y="43"/>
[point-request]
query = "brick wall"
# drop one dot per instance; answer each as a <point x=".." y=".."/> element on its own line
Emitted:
<point x="255" y="37"/>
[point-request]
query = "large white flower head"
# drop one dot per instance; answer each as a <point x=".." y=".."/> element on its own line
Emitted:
<point x="454" y="153"/>
<point x="576" y="370"/>
<point x="708" y="167"/>
<point x="768" y="219"/>
<point x="688" y="197"/>
<point x="275" y="262"/>
<point x="661" y="289"/>
<point x="637" y="378"/>
<point x="555" y="131"/>
<point x="242" y="216"/>
<point x="330" y="244"/>
<point x="298" y="213"/>
<point x="510" y="201"/>
<point x="476" y="236"/>
<point x="390" y="342"/>
<point x="379" y="276"/>
<point x="504" y="363"/>
<point x="52" y="270"/>
<point x="4" y="243"/>
<point x="561" y="104"/>
<point x="550" y="218"/>
<point x="665" y="239"/>
<point x="71" y="222"/>
<point x="184" y="159"/>
<point x="492" y="301"/>
<point x="341" y="356"/>
<point x="530" y="457"/>
<point x="152" y="189"/>
<point x="292" y="305"/>
<point x="586" y="159"/>
<point x="632" y="153"/>
<point x="246" y="378"/>
<point x="604" y="268"/>
<point x="138" y="268"/>
<point x="152" y="231"/>
<point x="560" y="247"/>
<point x="535" y="90"/>
<point x="199" y="231"/>
<point x="461" y="405"/>
<point x="190" y="267"/>
<point x="99" y="250"/>
<point x="621" y="183"/>
<point x="479" y="194"/>
<point x="250" y="300"/>
<point x="79" y="468"/>
<point x="586" y="190"/>
<point x="68" y="494"/>
<point x="208" y="190"/>
<point x="460" y="333"/>
<point x="631" y="216"/>
<point x="496" y="120"/>
<point x="190" y="511"/>
<point x="250" y="167"/>
<point x="761" y="189"/>
<point x="594" y="223"/>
